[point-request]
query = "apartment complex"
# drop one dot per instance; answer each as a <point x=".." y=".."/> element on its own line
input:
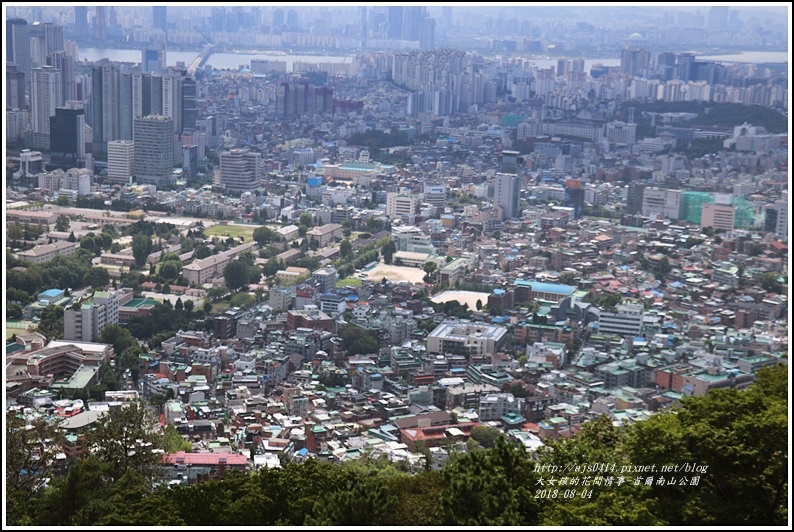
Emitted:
<point x="200" y="271"/>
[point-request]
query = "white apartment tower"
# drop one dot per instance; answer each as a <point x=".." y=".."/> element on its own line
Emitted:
<point x="45" y="97"/>
<point x="121" y="160"/>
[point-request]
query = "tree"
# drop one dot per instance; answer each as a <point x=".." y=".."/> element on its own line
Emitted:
<point x="174" y="442"/>
<point x="479" y="305"/>
<point x="568" y="278"/>
<point x="120" y="438"/>
<point x="141" y="248"/>
<point x="14" y="232"/>
<point x="307" y="220"/>
<point x="51" y="323"/>
<point x="346" y="248"/>
<point x="314" y="244"/>
<point x="236" y="274"/>
<point x="738" y="438"/>
<point x="120" y="337"/>
<point x="62" y="223"/>
<point x="97" y="277"/>
<point x="189" y="305"/>
<point x="490" y="488"/>
<point x="769" y="281"/>
<point x="662" y="268"/>
<point x="30" y="449"/>
<point x="202" y="251"/>
<point x="265" y="235"/>
<point x="170" y="270"/>
<point x="179" y="305"/>
<point x="71" y="238"/>
<point x="486" y="436"/>
<point x="388" y="250"/>
<point x="13" y="312"/>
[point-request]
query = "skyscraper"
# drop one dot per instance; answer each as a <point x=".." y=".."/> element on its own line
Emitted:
<point x="67" y="136"/>
<point x="15" y="87"/>
<point x="634" y="197"/>
<point x="100" y="23"/>
<point x="81" y="20"/>
<point x="154" y="149"/>
<point x="507" y="185"/>
<point x="634" y="61"/>
<point x="18" y="45"/>
<point x="45" y="39"/>
<point x="160" y="17"/>
<point x="189" y="111"/>
<point x="105" y="115"/>
<point x="153" y="58"/>
<point x="65" y="65"/>
<point x="241" y="170"/>
<point x="395" y="22"/>
<point x="45" y="96"/>
<point x="427" y="37"/>
<point x="507" y="194"/>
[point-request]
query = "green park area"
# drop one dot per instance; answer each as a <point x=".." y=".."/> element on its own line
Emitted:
<point x="236" y="231"/>
<point x="350" y="282"/>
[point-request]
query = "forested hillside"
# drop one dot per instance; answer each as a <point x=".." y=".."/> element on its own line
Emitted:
<point x="734" y="442"/>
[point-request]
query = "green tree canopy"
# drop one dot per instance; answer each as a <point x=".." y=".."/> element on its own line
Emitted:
<point x="141" y="248"/>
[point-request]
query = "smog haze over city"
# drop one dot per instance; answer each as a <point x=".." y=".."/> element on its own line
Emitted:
<point x="397" y="264"/>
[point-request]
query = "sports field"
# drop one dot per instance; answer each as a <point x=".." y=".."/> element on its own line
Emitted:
<point x="233" y="230"/>
<point x="396" y="273"/>
<point x="462" y="296"/>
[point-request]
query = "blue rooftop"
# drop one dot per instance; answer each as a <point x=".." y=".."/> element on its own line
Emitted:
<point x="560" y="289"/>
<point x="52" y="292"/>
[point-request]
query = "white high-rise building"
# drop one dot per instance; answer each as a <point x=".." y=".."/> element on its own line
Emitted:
<point x="121" y="160"/>
<point x="45" y="97"/>
<point x="401" y="205"/>
<point x="241" y="170"/>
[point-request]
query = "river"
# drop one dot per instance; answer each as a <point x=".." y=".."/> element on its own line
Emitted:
<point x="220" y="60"/>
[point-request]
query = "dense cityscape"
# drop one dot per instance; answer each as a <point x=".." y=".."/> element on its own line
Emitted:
<point x="396" y="265"/>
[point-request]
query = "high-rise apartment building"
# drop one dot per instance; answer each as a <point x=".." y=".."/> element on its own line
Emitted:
<point x="45" y="96"/>
<point x="507" y="194"/>
<point x="241" y="170"/>
<point x="121" y="160"/>
<point x="46" y="38"/>
<point x="154" y="149"/>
